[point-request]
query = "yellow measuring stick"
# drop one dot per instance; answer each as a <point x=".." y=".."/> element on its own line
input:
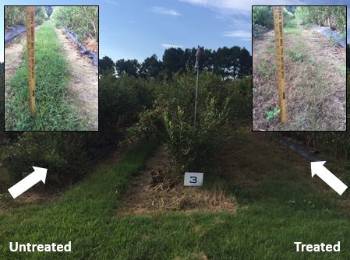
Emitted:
<point x="278" y="24"/>
<point x="30" y="24"/>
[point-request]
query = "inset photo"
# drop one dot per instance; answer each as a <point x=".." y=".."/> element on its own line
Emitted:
<point x="299" y="68"/>
<point x="51" y="68"/>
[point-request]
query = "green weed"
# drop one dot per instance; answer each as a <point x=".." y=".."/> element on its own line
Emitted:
<point x="272" y="114"/>
<point x="292" y="31"/>
<point x="296" y="54"/>
<point x="265" y="69"/>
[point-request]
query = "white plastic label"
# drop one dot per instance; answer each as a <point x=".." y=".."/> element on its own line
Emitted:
<point x="193" y="179"/>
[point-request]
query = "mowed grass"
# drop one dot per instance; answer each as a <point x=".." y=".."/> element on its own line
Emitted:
<point x="281" y="207"/>
<point x="53" y="109"/>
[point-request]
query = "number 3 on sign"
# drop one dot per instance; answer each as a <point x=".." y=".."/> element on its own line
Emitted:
<point x="193" y="179"/>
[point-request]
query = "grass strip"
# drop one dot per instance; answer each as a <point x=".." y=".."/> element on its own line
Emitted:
<point x="83" y="215"/>
<point x="52" y="76"/>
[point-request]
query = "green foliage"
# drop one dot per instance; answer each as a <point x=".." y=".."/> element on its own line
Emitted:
<point x="151" y="67"/>
<point x="288" y="18"/>
<point x="89" y="211"/>
<point x="40" y="15"/>
<point x="150" y="126"/>
<point x="171" y="119"/>
<point x="194" y="146"/>
<point x="83" y="20"/>
<point x="64" y="154"/>
<point x="234" y="62"/>
<point x="16" y="15"/>
<point x="332" y="16"/>
<point x="83" y="212"/>
<point x="265" y="69"/>
<point x="53" y="109"/>
<point x="239" y="92"/>
<point x="272" y="114"/>
<point x="127" y="67"/>
<point x="262" y="15"/>
<point x="296" y="55"/>
<point x="295" y="31"/>
<point x="121" y="99"/>
<point x="106" y="65"/>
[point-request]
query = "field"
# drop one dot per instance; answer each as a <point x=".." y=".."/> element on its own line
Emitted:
<point x="277" y="203"/>
<point x="119" y="193"/>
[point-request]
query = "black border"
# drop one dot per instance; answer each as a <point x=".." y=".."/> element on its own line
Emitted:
<point x="98" y="73"/>
<point x="346" y="81"/>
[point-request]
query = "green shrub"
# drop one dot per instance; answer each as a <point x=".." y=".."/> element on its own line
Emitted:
<point x="288" y="19"/>
<point x="149" y="126"/>
<point x="332" y="16"/>
<point x="262" y="15"/>
<point x="239" y="92"/>
<point x="65" y="156"/>
<point x="171" y="119"/>
<point x="16" y="15"/>
<point x="296" y="55"/>
<point x="83" y="20"/>
<point x="40" y="15"/>
<point x="193" y="147"/>
<point x="121" y="100"/>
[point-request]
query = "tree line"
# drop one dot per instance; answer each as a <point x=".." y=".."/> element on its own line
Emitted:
<point x="234" y="62"/>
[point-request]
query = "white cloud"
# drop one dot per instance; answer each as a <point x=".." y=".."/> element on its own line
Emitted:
<point x="165" y="11"/>
<point x="237" y="13"/>
<point x="238" y="34"/>
<point x="239" y="5"/>
<point x="170" y="45"/>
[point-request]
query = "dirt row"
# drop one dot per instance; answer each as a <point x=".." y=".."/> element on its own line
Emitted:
<point x="159" y="189"/>
<point x="315" y="76"/>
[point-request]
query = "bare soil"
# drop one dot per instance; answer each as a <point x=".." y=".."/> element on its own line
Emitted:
<point x="315" y="76"/>
<point x="13" y="59"/>
<point x="157" y="189"/>
<point x="83" y="85"/>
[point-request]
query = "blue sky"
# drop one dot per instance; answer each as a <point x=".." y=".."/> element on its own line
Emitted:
<point x="136" y="29"/>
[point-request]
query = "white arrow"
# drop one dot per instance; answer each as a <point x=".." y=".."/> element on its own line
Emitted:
<point x="22" y="186"/>
<point x="318" y="168"/>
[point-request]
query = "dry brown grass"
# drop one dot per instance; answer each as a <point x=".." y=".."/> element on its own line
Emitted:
<point x="315" y="83"/>
<point x="158" y="189"/>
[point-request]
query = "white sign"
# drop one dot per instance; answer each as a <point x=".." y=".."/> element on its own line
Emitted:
<point x="193" y="179"/>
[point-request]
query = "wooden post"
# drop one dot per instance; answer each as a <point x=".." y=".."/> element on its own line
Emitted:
<point x="279" y="41"/>
<point x="30" y="23"/>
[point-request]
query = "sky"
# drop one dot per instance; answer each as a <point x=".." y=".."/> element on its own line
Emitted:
<point x="136" y="29"/>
